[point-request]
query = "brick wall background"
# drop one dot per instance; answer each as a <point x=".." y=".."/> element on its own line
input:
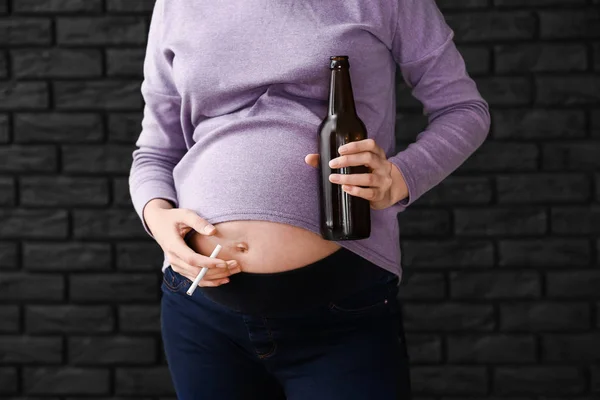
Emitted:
<point x="502" y="282"/>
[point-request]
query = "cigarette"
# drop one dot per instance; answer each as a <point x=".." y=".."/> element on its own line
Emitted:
<point x="203" y="272"/>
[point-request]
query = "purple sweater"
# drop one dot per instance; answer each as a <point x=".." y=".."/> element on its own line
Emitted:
<point x="235" y="91"/>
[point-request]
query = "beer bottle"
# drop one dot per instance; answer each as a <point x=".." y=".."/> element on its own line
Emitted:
<point x="343" y="216"/>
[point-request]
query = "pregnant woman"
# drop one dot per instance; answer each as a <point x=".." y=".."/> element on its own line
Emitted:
<point x="234" y="93"/>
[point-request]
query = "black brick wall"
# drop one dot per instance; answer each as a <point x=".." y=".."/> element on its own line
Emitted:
<point x="502" y="283"/>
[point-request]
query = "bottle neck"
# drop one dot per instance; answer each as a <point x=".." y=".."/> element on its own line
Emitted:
<point x="341" y="98"/>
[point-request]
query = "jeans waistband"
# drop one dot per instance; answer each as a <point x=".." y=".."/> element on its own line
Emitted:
<point x="340" y="274"/>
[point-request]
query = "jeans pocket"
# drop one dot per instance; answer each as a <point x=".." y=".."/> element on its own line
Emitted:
<point x="377" y="298"/>
<point x="172" y="280"/>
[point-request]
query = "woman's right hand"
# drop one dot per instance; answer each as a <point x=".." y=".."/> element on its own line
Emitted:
<point x="169" y="226"/>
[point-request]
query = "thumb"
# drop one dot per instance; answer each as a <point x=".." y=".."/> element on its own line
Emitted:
<point x="312" y="160"/>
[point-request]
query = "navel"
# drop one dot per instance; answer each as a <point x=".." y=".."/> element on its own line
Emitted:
<point x="242" y="247"/>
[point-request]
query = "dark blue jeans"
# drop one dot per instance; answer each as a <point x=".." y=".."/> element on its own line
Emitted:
<point x="352" y="349"/>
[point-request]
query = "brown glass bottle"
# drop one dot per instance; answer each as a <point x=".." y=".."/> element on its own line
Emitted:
<point x="343" y="216"/>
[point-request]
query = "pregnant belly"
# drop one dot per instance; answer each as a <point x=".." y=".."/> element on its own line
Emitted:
<point x="264" y="246"/>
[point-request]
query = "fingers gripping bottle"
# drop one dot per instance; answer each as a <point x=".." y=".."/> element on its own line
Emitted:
<point x="343" y="216"/>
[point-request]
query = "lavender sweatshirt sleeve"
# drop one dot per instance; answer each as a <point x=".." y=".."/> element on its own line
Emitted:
<point x="458" y="118"/>
<point x="161" y="142"/>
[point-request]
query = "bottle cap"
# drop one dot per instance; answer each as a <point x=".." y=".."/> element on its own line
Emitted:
<point x="338" y="62"/>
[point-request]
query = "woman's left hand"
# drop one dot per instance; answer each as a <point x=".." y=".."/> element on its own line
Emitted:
<point x="383" y="186"/>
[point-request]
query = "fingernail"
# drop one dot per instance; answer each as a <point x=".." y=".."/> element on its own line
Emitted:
<point x="225" y="281"/>
<point x="333" y="178"/>
<point x="235" y="270"/>
<point x="333" y="163"/>
<point x="209" y="229"/>
<point x="221" y="265"/>
<point x="232" y="263"/>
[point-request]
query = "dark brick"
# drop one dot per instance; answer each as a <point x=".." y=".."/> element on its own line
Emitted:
<point x="23" y="95"/>
<point x="549" y="252"/>
<point x="595" y="123"/>
<point x="31" y="287"/>
<point x="23" y="223"/>
<point x="125" y="62"/>
<point x="408" y="126"/>
<point x="576" y="348"/>
<point x="61" y="6"/>
<point x="472" y="253"/>
<point x="570" y="23"/>
<point x="574" y="156"/>
<point x="538" y="124"/>
<point x="139" y="318"/>
<point x="422" y="285"/>
<point x="568" y="90"/>
<point x="66" y="380"/>
<point x="68" y="319"/>
<point x="495" y="285"/>
<point x="576" y="220"/>
<point x="4" y="133"/>
<point x="530" y="3"/>
<point x="424" y="349"/>
<point x="101" y="30"/>
<point x="124" y="398"/>
<point x="3" y="65"/>
<point x="8" y="255"/>
<point x="24" y="31"/>
<point x="449" y="380"/>
<point x="107" y="224"/>
<point x="486" y="26"/>
<point x="17" y="158"/>
<point x="121" y="195"/>
<point x="424" y="222"/>
<point x="500" y="221"/>
<point x="456" y="190"/>
<point x="597" y="184"/>
<point x="491" y="349"/>
<point x="554" y="380"/>
<point x="477" y="59"/>
<point x="121" y="398"/>
<point x="500" y="156"/>
<point x="97" y="159"/>
<point x="29" y="350"/>
<point x="501" y="91"/>
<point x="66" y="256"/>
<point x="596" y="379"/>
<point x="448" y="317"/>
<point x="151" y="381"/>
<point x="544" y="317"/>
<point x="543" y="188"/>
<point x="574" y="284"/>
<point x="56" y="63"/>
<point x="404" y="98"/>
<point x="130" y="5"/>
<point x="103" y="95"/>
<point x="58" y="128"/>
<point x="8" y="380"/>
<point x="10" y="316"/>
<point x="139" y="256"/>
<point x="113" y="287"/>
<point x="63" y="191"/>
<point x="535" y="57"/>
<point x="7" y="192"/>
<point x="111" y="350"/>
<point x="124" y="127"/>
